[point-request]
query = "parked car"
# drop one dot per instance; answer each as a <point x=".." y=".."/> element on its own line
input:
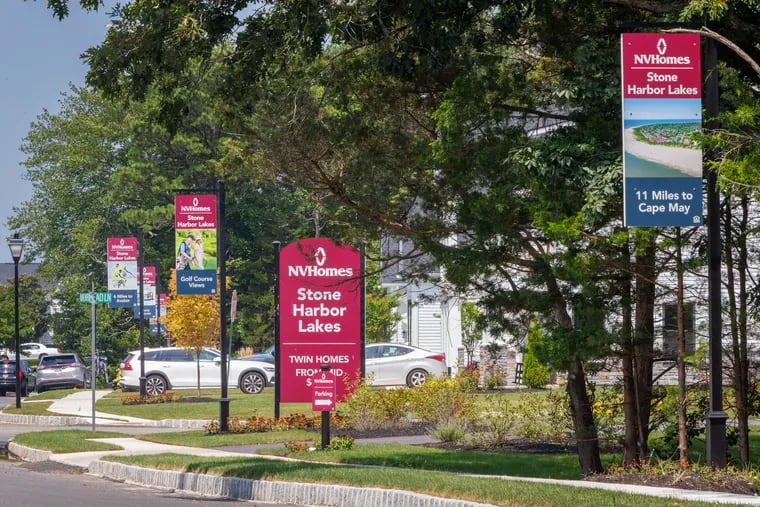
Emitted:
<point x="389" y="364"/>
<point x="35" y="350"/>
<point x="60" y="370"/>
<point x="176" y="368"/>
<point x="266" y="356"/>
<point x="8" y="376"/>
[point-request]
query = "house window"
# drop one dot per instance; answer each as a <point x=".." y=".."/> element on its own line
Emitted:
<point x="670" y="329"/>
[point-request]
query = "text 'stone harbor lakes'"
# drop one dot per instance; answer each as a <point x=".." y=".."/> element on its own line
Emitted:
<point x="122" y="271"/>
<point x="320" y="287"/>
<point x="662" y="120"/>
<point x="195" y="243"/>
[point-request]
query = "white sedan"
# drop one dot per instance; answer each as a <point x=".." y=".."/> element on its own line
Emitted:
<point x="393" y="364"/>
<point x="35" y="350"/>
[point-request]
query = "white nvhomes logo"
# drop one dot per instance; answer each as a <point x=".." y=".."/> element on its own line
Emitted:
<point x="195" y="199"/>
<point x="320" y="257"/>
<point x="662" y="46"/>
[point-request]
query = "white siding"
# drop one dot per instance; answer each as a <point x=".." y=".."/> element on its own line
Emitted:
<point x="429" y="327"/>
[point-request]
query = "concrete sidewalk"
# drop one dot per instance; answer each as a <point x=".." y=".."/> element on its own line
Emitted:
<point x="80" y="405"/>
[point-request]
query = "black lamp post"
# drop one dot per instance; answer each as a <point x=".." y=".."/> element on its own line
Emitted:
<point x="17" y="246"/>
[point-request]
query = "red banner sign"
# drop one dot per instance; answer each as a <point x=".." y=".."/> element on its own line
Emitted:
<point x="657" y="66"/>
<point x="122" y="249"/>
<point x="320" y="315"/>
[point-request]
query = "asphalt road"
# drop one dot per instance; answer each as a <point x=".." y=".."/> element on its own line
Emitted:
<point x="50" y="484"/>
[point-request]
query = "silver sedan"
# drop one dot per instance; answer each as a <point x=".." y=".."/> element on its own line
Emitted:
<point x="391" y="364"/>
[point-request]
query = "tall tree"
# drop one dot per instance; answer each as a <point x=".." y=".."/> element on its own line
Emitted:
<point x="192" y="322"/>
<point x="486" y="132"/>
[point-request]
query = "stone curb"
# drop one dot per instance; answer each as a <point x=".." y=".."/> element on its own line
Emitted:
<point x="63" y="420"/>
<point x="28" y="453"/>
<point x="270" y="491"/>
<point x="248" y="489"/>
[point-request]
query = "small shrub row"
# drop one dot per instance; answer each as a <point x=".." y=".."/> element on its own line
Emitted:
<point x="138" y="399"/>
<point x="260" y="424"/>
<point x="336" y="444"/>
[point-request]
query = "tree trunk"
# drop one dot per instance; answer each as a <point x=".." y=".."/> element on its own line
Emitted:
<point x="737" y="312"/>
<point x="643" y="345"/>
<point x="631" y="454"/>
<point x="683" y="439"/>
<point x="586" y="435"/>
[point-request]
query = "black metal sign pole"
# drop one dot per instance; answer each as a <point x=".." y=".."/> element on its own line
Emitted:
<point x="326" y="417"/>
<point x="158" y="304"/>
<point x="716" y="417"/>
<point x="221" y="254"/>
<point x="140" y="266"/>
<point x="277" y="354"/>
<point x="363" y="310"/>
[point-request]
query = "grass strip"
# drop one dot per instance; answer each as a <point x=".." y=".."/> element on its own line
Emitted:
<point x="66" y="441"/>
<point x="500" y="492"/>
<point x="548" y="466"/>
<point x="241" y="405"/>
<point x="199" y="438"/>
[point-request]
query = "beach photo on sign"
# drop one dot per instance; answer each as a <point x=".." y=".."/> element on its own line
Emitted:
<point x="661" y="137"/>
<point x="195" y="249"/>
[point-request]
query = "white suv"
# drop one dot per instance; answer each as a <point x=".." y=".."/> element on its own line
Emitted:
<point x="176" y="368"/>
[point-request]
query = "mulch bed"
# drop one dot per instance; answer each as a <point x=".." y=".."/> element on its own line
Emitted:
<point x="681" y="480"/>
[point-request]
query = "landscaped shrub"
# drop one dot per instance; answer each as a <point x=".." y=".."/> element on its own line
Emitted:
<point x="298" y="445"/>
<point x="341" y="443"/>
<point x="608" y="413"/>
<point x="468" y="377"/>
<point x="451" y="434"/>
<point x="542" y="416"/>
<point x="440" y="402"/>
<point x="260" y="424"/>
<point x="369" y="408"/>
<point x="494" y="426"/>
<point x="535" y="374"/>
<point x="137" y="399"/>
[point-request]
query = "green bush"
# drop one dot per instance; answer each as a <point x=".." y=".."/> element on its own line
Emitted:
<point x="468" y="377"/>
<point x="341" y="443"/>
<point x="452" y="434"/>
<point x="535" y="373"/>
<point x="440" y="402"/>
<point x="494" y="427"/>
<point x="543" y="417"/>
<point x="370" y="409"/>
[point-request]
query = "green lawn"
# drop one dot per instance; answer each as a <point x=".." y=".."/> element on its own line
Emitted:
<point x="66" y="441"/>
<point x="199" y="438"/>
<point x="241" y="405"/>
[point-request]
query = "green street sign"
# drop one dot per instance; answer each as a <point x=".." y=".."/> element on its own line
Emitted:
<point x="96" y="297"/>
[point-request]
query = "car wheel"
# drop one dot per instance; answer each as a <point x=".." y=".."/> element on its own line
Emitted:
<point x="155" y="385"/>
<point x="40" y="389"/>
<point x="2" y="394"/>
<point x="252" y="383"/>
<point x="416" y="378"/>
<point x="25" y="390"/>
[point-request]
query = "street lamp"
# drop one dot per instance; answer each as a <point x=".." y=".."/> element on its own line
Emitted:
<point x="16" y="245"/>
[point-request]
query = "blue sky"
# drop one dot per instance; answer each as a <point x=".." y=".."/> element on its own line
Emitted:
<point x="39" y="58"/>
<point x="662" y="109"/>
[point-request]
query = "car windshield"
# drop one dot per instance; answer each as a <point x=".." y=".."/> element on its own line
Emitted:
<point x="53" y="360"/>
